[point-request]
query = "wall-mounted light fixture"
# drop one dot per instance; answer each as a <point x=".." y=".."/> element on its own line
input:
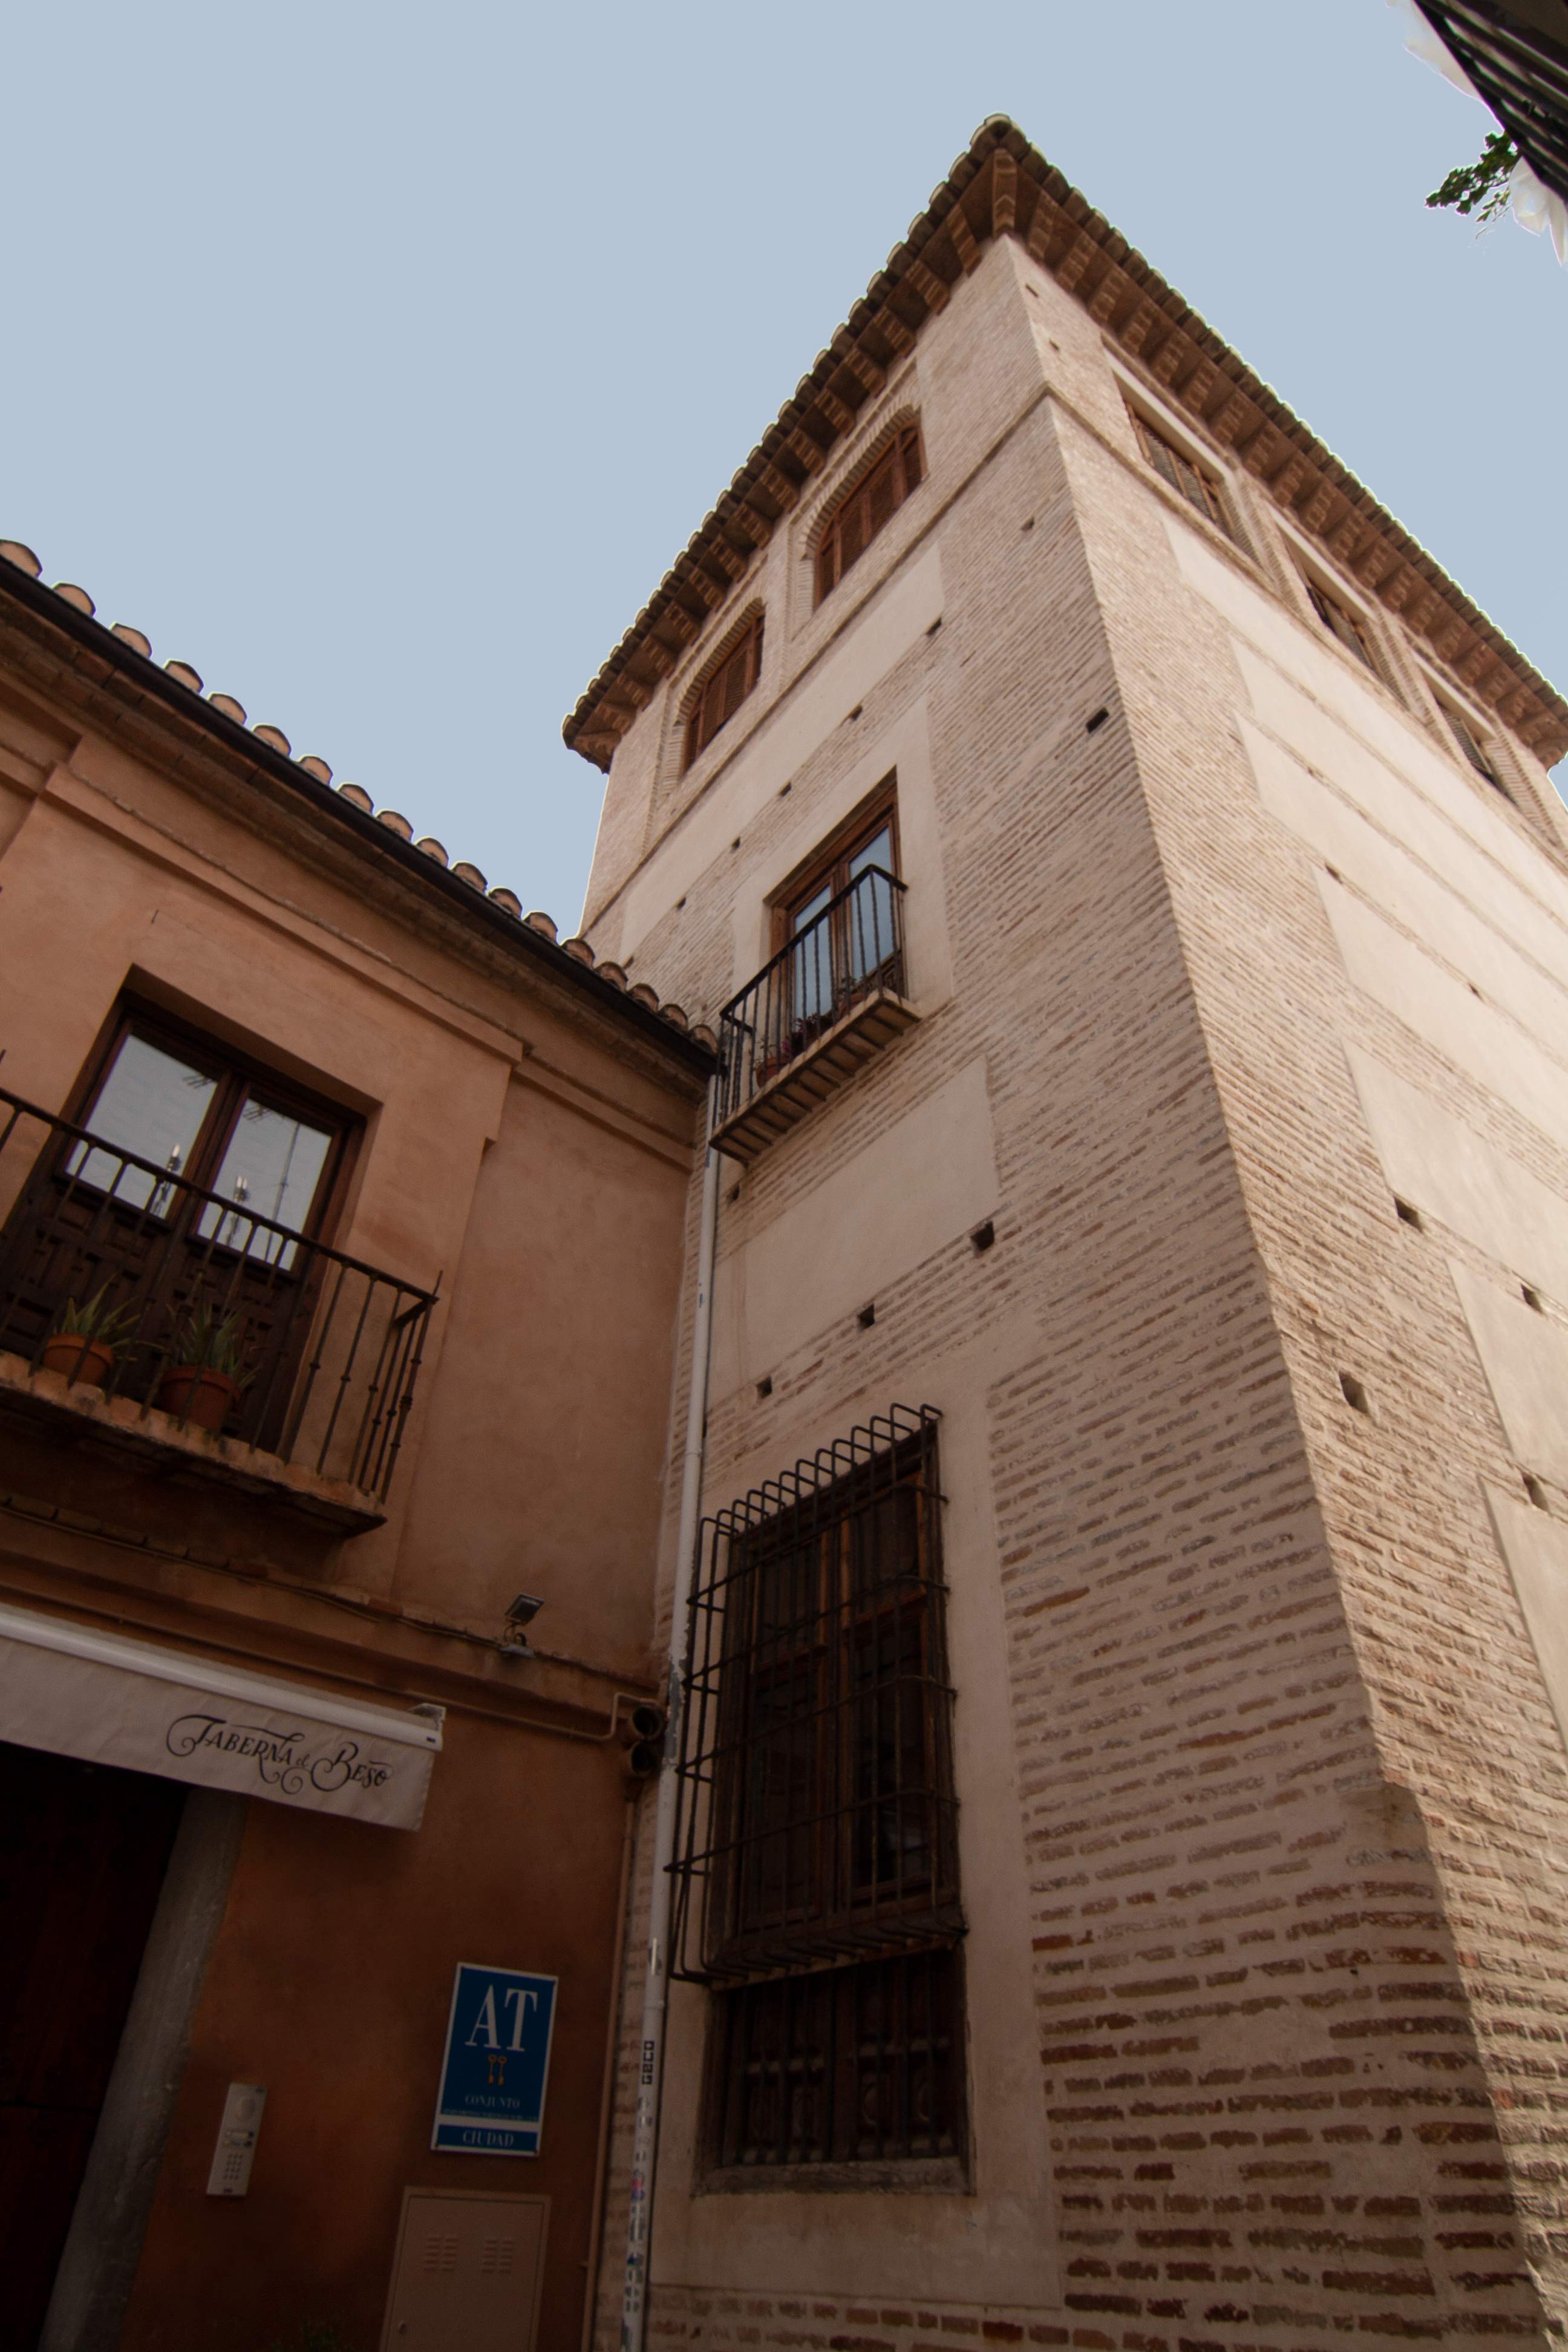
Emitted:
<point x="519" y="1614"/>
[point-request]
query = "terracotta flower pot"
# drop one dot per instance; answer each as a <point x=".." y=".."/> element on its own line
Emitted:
<point x="87" y="1362"/>
<point x="194" y="1392"/>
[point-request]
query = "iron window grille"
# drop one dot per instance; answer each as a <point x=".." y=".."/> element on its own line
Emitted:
<point x="1185" y="475"/>
<point x="869" y="507"/>
<point x="1342" y="623"/>
<point x="850" y="2065"/>
<point x="816" y="1852"/>
<point x="724" y="689"/>
<point x="818" y="1822"/>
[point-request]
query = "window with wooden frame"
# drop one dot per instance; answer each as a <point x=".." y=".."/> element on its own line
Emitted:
<point x="1340" y="622"/>
<point x="1185" y="475"/>
<point x="725" y="689"/>
<point x="258" y="1146"/>
<point x="840" y="915"/>
<point x="181" y="1208"/>
<point x="816" y="1869"/>
<point x="1472" y="748"/>
<point x="867" y="508"/>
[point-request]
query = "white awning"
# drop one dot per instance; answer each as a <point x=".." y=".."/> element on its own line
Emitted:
<point x="110" y="1700"/>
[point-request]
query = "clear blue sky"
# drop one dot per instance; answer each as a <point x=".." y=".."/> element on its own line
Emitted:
<point x="377" y="360"/>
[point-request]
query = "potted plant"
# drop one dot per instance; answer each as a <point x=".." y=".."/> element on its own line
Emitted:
<point x="83" y="1341"/>
<point x="207" y="1371"/>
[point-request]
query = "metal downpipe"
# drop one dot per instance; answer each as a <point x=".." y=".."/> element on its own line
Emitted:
<point x="655" y="1983"/>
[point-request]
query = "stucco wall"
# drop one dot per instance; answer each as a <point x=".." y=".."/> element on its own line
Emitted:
<point x="530" y="1151"/>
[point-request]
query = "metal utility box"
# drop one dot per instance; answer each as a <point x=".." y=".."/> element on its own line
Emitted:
<point x="467" y="2271"/>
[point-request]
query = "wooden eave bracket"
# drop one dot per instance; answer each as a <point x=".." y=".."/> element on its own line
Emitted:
<point x="1002" y="186"/>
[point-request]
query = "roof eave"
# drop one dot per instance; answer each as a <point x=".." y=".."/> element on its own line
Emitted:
<point x="1002" y="186"/>
<point x="359" y="826"/>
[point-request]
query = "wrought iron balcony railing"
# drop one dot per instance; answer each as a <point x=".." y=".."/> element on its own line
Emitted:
<point x="808" y="1019"/>
<point x="119" y="1273"/>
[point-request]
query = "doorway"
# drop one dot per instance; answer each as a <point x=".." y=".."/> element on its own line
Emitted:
<point x="83" y="1850"/>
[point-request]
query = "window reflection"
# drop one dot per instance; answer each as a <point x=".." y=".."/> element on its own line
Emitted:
<point x="859" y="941"/>
<point x="870" y="912"/>
<point x="271" y="1168"/>
<point x="811" y="966"/>
<point x="160" y="1106"/>
<point x="152" y="1104"/>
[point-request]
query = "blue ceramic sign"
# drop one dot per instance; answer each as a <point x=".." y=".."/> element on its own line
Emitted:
<point x="497" y="2061"/>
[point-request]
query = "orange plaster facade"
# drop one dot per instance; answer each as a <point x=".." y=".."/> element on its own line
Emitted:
<point x="524" y="1136"/>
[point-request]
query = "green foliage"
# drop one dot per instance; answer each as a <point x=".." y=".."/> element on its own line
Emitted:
<point x="95" y="1320"/>
<point x="211" y="1343"/>
<point x="1481" y="186"/>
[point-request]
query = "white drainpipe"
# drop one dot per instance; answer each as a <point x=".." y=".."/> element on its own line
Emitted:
<point x="655" y="1983"/>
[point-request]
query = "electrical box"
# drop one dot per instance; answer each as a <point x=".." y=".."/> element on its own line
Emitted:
<point x="467" y="2270"/>
<point x="237" y="2139"/>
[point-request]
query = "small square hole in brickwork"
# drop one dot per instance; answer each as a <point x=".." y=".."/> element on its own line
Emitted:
<point x="1535" y="1490"/>
<point x="982" y="1237"/>
<point x="787" y="787"/>
<point x="764" y="1388"/>
<point x="859" y="707"/>
<point x="1092" y="726"/>
<point x="733" y="1194"/>
<point x="1333" y="872"/>
<point x="1531" y="1297"/>
<point x="934" y="626"/>
<point x="1028" y="523"/>
<point x="1354" y="1394"/>
<point x="1406" y="1214"/>
<point x="867" y="1315"/>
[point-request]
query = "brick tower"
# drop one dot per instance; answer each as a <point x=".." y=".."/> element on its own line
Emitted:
<point x="1118" y="1893"/>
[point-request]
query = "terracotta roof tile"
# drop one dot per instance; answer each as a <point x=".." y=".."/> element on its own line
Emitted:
<point x="181" y="675"/>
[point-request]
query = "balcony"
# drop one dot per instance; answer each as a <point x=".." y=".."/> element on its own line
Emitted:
<point x="828" y="1001"/>
<point x="141" y="1313"/>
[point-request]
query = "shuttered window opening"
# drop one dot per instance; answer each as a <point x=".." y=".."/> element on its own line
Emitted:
<point x="1185" y="475"/>
<point x="1343" y="623"/>
<point x="816" y="1849"/>
<point x="1474" y="750"/>
<point x="724" y="689"/>
<point x="869" y="506"/>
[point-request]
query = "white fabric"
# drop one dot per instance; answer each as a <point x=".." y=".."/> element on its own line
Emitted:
<point x="1536" y="206"/>
<point x="1533" y="204"/>
<point x="77" y="1692"/>
<point x="1423" y="42"/>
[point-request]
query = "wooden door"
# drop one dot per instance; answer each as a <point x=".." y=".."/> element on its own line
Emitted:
<point x="83" y="1850"/>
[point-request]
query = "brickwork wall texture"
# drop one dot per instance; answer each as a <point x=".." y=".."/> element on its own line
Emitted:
<point x="1291" y="1792"/>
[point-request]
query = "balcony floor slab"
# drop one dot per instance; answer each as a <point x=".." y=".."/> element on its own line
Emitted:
<point x="810" y="1077"/>
<point x="164" y="1448"/>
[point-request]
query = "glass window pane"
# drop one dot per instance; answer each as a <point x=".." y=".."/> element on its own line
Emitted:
<point x="151" y="1103"/>
<point x="810" y="979"/>
<point x="813" y="907"/>
<point x="878" y="851"/>
<point x="869" y="910"/>
<point x="271" y="1168"/>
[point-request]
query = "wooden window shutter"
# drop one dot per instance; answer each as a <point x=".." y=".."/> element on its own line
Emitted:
<point x="724" y="689"/>
<point x="868" y="508"/>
